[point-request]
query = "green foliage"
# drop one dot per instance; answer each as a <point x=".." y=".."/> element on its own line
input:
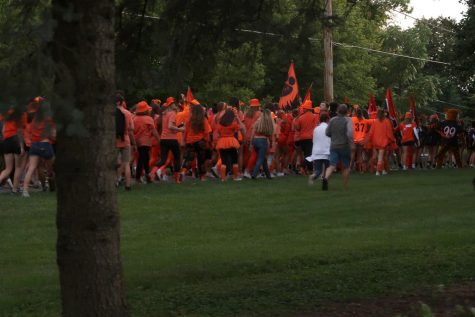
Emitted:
<point x="238" y="72"/>
<point x="255" y="248"/>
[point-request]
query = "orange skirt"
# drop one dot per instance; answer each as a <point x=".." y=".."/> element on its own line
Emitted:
<point x="229" y="142"/>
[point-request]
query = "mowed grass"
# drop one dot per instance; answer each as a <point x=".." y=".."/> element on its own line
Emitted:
<point x="258" y="248"/>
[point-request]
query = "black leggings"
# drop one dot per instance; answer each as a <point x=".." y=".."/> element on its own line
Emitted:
<point x="306" y="146"/>
<point x="197" y="149"/>
<point x="165" y="147"/>
<point x="229" y="157"/>
<point x="143" y="161"/>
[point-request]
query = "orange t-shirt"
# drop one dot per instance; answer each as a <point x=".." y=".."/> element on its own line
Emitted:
<point x="249" y="124"/>
<point x="381" y="133"/>
<point x="228" y="131"/>
<point x="37" y="130"/>
<point x="167" y="134"/>
<point x="129" y="125"/>
<point x="407" y="132"/>
<point x="294" y="130"/>
<point x="143" y="130"/>
<point x="192" y="137"/>
<point x="307" y="123"/>
<point x="10" y="129"/>
<point x="360" y="128"/>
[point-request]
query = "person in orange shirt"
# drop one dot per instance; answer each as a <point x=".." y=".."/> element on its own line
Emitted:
<point x="409" y="138"/>
<point x="381" y="136"/>
<point x="169" y="139"/>
<point x="197" y="133"/>
<point x="144" y="132"/>
<point x="282" y="150"/>
<point x="305" y="124"/>
<point x="43" y="132"/>
<point x="359" y="132"/>
<point x="13" y="148"/>
<point x="250" y="118"/>
<point x="228" y="144"/>
<point x="124" y="141"/>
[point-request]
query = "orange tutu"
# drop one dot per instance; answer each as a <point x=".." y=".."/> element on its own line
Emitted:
<point x="229" y="142"/>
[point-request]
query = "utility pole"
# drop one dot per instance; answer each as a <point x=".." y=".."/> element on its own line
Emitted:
<point x="328" y="52"/>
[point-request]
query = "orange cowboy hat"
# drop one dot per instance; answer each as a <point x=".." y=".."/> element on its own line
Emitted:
<point x="307" y="105"/>
<point x="143" y="107"/>
<point x="255" y="103"/>
<point x="169" y="101"/>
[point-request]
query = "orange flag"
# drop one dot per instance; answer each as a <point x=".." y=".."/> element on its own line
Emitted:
<point x="308" y="94"/>
<point x="290" y="92"/>
<point x="189" y="95"/>
<point x="372" y="104"/>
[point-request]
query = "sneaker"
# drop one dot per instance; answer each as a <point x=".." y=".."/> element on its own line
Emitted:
<point x="237" y="179"/>
<point x="159" y="174"/>
<point x="384" y="173"/>
<point x="246" y="174"/>
<point x="9" y="182"/>
<point x="214" y="171"/>
<point x="210" y="175"/>
<point x="25" y="195"/>
<point x="280" y="174"/>
<point x="324" y="184"/>
<point x="311" y="179"/>
<point x="377" y="174"/>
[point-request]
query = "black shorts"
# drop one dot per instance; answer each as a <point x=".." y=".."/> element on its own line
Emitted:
<point x="42" y="149"/>
<point x="409" y="143"/>
<point x="12" y="145"/>
<point x="1" y="148"/>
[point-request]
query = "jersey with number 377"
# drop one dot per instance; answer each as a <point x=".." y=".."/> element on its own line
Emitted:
<point x="450" y="131"/>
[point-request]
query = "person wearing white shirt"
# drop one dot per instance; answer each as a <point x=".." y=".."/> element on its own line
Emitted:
<point x="320" y="150"/>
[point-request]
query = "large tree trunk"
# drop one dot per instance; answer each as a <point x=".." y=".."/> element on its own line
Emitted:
<point x="88" y="248"/>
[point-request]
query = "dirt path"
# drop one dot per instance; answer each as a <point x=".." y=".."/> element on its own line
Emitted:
<point x="454" y="301"/>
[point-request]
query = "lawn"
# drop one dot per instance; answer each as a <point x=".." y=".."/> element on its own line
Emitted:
<point x="258" y="248"/>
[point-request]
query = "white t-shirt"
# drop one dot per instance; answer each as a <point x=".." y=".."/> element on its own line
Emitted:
<point x="321" y="144"/>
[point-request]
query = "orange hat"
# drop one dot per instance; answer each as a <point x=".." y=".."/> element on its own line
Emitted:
<point x="169" y="101"/>
<point x="451" y="114"/>
<point x="156" y="101"/>
<point x="255" y="103"/>
<point x="195" y="102"/>
<point x="408" y="115"/>
<point x="143" y="107"/>
<point x="307" y="105"/>
<point x="316" y="110"/>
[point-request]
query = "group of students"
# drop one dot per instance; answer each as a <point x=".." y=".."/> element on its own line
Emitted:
<point x="185" y="138"/>
<point x="180" y="138"/>
<point x="27" y="139"/>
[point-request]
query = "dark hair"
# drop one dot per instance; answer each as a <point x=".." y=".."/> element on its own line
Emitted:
<point x="381" y="115"/>
<point x="227" y="118"/>
<point x="332" y="108"/>
<point x="323" y="117"/>
<point x="359" y="113"/>
<point x="234" y="102"/>
<point x="342" y="109"/>
<point x="197" y="119"/>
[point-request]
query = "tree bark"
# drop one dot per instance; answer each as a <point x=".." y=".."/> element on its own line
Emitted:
<point x="88" y="242"/>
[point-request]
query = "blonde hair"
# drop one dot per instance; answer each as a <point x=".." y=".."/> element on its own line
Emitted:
<point x="265" y="124"/>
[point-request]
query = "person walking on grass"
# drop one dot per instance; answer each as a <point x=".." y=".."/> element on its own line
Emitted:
<point x="321" y="149"/>
<point x="340" y="131"/>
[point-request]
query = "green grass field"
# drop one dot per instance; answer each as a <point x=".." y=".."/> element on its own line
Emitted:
<point x="258" y="248"/>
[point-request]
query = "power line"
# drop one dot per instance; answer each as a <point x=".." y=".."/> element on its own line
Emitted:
<point x="424" y="21"/>
<point x="388" y="53"/>
<point x="452" y="104"/>
<point x="312" y="39"/>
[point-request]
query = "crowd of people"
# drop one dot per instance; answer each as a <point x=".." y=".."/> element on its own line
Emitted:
<point x="183" y="138"/>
